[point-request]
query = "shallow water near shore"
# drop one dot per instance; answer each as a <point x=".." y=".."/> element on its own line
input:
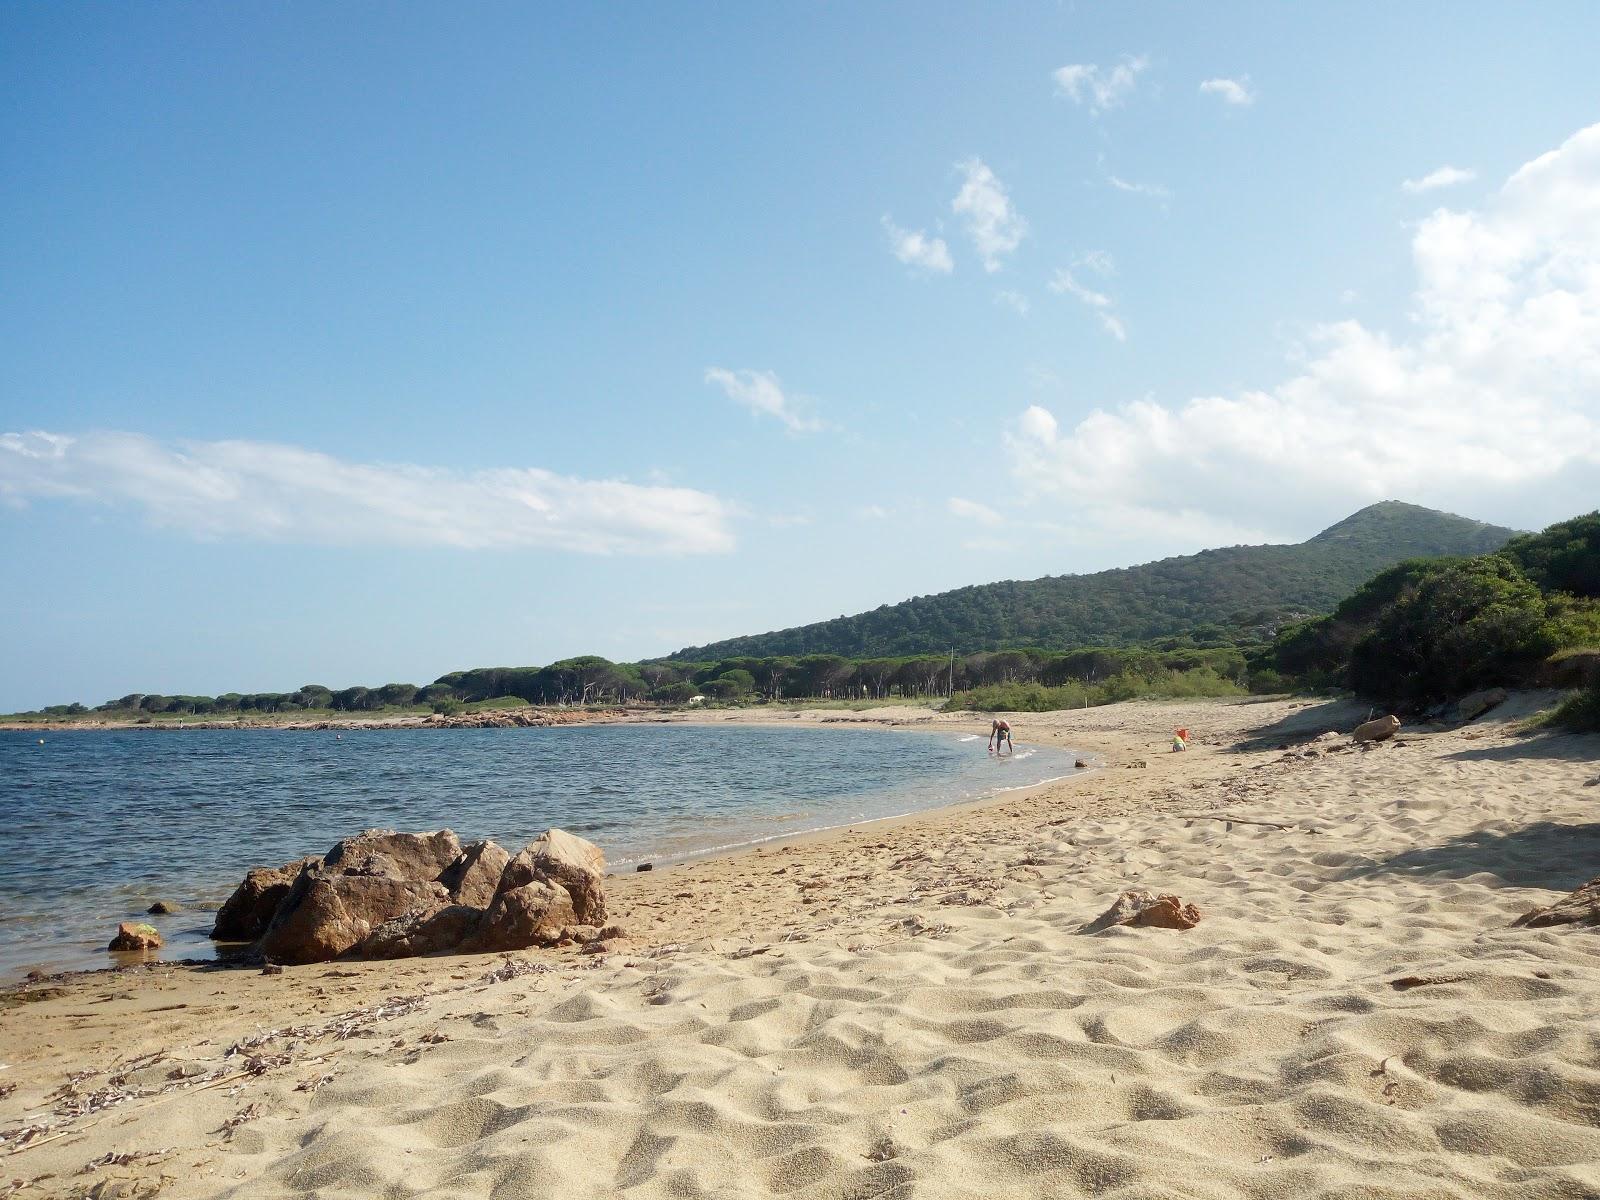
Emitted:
<point x="100" y="824"/>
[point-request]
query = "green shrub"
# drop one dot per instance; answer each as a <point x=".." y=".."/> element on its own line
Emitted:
<point x="1126" y="685"/>
<point x="672" y="693"/>
<point x="1462" y="626"/>
<point x="1580" y="711"/>
<point x="449" y="708"/>
<point x="1563" y="558"/>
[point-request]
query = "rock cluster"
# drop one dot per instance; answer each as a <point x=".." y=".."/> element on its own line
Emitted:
<point x="383" y="894"/>
<point x="517" y="718"/>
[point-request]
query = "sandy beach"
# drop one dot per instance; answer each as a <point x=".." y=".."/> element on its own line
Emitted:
<point x="911" y="1009"/>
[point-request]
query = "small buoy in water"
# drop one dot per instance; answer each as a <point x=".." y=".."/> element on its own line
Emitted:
<point x="338" y="737"/>
<point x="41" y="741"/>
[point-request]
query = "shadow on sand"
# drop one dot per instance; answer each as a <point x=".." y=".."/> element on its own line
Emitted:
<point x="1562" y="747"/>
<point x="1545" y="854"/>
<point x="1304" y="724"/>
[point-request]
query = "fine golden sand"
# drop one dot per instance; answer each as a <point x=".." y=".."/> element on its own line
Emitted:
<point x="909" y="1009"/>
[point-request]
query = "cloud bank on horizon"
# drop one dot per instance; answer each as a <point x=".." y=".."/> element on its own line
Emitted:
<point x="1491" y="395"/>
<point x="281" y="493"/>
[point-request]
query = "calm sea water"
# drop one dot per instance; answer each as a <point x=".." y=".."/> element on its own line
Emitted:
<point x="100" y="824"/>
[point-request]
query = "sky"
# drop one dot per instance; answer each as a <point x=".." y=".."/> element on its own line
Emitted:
<point x="359" y="343"/>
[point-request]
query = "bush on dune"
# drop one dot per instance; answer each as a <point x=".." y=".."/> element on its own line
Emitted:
<point x="1460" y="627"/>
<point x="1580" y="712"/>
<point x="1035" y="697"/>
<point x="1563" y="558"/>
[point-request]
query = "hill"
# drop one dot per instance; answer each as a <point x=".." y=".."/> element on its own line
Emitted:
<point x="1236" y="590"/>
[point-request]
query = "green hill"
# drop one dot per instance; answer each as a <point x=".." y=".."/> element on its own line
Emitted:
<point x="1237" y="590"/>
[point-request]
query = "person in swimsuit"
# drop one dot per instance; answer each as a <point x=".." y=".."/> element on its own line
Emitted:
<point x="999" y="729"/>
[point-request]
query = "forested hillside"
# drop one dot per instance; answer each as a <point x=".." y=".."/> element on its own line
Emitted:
<point x="1210" y="619"/>
<point x="1426" y="631"/>
<point x="1240" y="590"/>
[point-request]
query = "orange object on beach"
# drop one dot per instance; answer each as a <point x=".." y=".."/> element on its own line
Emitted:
<point x="1184" y="734"/>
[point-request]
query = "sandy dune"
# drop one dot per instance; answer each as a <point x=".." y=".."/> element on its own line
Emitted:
<point x="910" y="1010"/>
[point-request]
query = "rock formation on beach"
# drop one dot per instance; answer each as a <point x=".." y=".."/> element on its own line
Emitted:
<point x="1378" y="729"/>
<point x="1582" y="907"/>
<point x="382" y="894"/>
<point x="1159" y="911"/>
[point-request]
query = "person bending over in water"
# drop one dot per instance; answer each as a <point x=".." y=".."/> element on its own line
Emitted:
<point x="999" y="729"/>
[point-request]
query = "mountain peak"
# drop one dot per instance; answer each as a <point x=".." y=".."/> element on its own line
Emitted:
<point x="1415" y="530"/>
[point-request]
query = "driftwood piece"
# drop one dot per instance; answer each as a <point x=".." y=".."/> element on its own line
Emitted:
<point x="1235" y="820"/>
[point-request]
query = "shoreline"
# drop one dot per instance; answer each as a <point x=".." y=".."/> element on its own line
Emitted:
<point x="931" y="966"/>
<point x="73" y="957"/>
<point x="524" y="716"/>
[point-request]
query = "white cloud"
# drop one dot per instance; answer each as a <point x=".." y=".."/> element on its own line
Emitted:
<point x="1154" y="190"/>
<point x="279" y="493"/>
<point x="1486" y="404"/>
<point x="971" y="510"/>
<point x="1232" y="91"/>
<point x="1103" y="307"/>
<point x="993" y="223"/>
<point x="760" y="392"/>
<point x="1100" y="89"/>
<point x="1098" y="261"/>
<point x="916" y="249"/>
<point x="1443" y="177"/>
<point x="1015" y="301"/>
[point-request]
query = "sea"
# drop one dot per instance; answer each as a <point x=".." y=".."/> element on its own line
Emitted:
<point x="100" y="824"/>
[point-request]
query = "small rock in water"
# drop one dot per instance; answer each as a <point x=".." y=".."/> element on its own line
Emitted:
<point x="645" y="867"/>
<point x="135" y="935"/>
<point x="162" y="908"/>
<point x="1080" y="764"/>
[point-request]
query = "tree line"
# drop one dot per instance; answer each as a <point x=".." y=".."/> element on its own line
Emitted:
<point x="592" y="680"/>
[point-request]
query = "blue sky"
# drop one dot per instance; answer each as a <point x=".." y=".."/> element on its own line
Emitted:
<point x="358" y="343"/>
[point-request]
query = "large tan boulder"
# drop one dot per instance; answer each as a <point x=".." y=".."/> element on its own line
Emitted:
<point x="1471" y="707"/>
<point x="328" y="913"/>
<point x="1379" y="729"/>
<point x="245" y="915"/>
<point x="1582" y="907"/>
<point x="434" y="930"/>
<point x="568" y="862"/>
<point x="532" y="914"/>
<point x="474" y="877"/>
<point x="420" y="857"/>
